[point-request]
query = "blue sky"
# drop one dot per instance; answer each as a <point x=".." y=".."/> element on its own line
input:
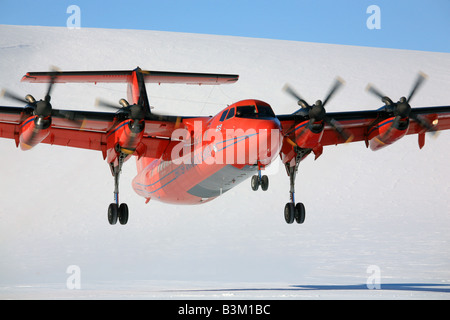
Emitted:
<point x="404" y="24"/>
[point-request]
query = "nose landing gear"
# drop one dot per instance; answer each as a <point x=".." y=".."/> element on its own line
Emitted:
<point x="258" y="180"/>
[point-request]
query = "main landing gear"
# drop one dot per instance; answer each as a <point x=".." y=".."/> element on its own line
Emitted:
<point x="116" y="211"/>
<point x="294" y="211"/>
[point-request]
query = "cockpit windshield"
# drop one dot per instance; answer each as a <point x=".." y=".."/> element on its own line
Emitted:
<point x="245" y="111"/>
<point x="265" y="111"/>
<point x="259" y="111"/>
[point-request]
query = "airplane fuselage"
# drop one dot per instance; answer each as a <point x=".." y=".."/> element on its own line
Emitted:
<point x="216" y="156"/>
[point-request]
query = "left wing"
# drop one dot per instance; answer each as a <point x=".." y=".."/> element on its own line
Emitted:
<point x="366" y="125"/>
<point x="377" y="128"/>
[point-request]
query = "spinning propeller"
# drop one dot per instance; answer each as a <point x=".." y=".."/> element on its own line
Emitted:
<point x="402" y="109"/>
<point x="135" y="112"/>
<point x="43" y="108"/>
<point x="317" y="112"/>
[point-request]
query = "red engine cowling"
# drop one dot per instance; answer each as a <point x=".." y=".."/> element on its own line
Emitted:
<point x="125" y="138"/>
<point x="33" y="131"/>
<point x="310" y="136"/>
<point x="387" y="132"/>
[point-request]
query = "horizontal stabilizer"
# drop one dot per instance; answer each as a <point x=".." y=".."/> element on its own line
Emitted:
<point x="125" y="77"/>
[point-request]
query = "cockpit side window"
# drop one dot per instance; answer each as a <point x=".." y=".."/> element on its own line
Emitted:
<point x="230" y="113"/>
<point x="224" y="114"/>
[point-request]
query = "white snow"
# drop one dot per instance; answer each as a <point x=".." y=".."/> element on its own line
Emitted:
<point x="388" y="208"/>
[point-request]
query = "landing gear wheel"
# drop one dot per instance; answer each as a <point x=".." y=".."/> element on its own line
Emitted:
<point x="255" y="183"/>
<point x="116" y="211"/>
<point x="123" y="213"/>
<point x="264" y="183"/>
<point x="289" y="212"/>
<point x="113" y="213"/>
<point x="300" y="213"/>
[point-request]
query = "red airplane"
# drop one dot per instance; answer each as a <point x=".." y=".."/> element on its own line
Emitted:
<point x="192" y="160"/>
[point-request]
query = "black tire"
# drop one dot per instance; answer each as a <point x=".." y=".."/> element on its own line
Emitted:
<point x="289" y="212"/>
<point x="255" y="183"/>
<point x="112" y="213"/>
<point x="300" y="213"/>
<point x="264" y="183"/>
<point x="123" y="213"/>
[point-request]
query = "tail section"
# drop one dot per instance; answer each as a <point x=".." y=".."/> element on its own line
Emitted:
<point x="136" y="90"/>
<point x="136" y="80"/>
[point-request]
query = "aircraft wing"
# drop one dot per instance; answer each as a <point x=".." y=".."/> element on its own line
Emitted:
<point x="89" y="130"/>
<point x="359" y="125"/>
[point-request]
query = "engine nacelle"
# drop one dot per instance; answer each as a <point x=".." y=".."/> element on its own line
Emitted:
<point x="125" y="138"/>
<point x="310" y="136"/>
<point x="33" y="131"/>
<point x="387" y="132"/>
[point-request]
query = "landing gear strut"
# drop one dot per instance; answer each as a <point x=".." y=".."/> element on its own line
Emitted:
<point x="116" y="211"/>
<point x="294" y="211"/>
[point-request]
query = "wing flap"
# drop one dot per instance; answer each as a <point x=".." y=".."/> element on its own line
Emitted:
<point x="76" y="139"/>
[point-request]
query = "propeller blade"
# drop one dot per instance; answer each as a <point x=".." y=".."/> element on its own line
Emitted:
<point x="420" y="79"/>
<point x="370" y="88"/>
<point x="337" y="84"/>
<point x="289" y="90"/>
<point x="69" y="116"/>
<point x="12" y="96"/>
<point x="344" y="134"/>
<point x="49" y="90"/>
<point x="102" y="103"/>
<point x="424" y="123"/>
<point x="54" y="71"/>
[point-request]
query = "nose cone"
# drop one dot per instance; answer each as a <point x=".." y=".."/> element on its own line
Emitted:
<point x="269" y="141"/>
<point x="253" y="142"/>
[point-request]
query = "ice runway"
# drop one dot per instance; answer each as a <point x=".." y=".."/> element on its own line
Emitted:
<point x="179" y="290"/>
